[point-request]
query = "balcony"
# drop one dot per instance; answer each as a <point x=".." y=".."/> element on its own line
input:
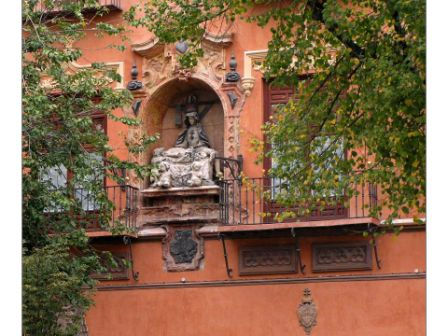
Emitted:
<point x="251" y="202"/>
<point x="124" y="213"/>
<point x="112" y="5"/>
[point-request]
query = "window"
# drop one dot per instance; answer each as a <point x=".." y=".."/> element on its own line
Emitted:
<point x="58" y="176"/>
<point x="324" y="144"/>
<point x="275" y="97"/>
<point x="84" y="196"/>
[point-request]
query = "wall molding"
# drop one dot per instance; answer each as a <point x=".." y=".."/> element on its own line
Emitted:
<point x="257" y="282"/>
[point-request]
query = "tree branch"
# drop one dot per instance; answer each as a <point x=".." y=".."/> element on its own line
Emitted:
<point x="317" y="7"/>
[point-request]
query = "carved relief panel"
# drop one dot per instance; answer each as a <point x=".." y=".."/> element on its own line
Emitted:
<point x="120" y="271"/>
<point x="267" y="260"/>
<point x="342" y="256"/>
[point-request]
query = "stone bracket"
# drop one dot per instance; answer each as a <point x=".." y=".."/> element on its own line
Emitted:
<point x="375" y="248"/>
<point x="228" y="269"/>
<point x="127" y="241"/>
<point x="253" y="60"/>
<point x="298" y="251"/>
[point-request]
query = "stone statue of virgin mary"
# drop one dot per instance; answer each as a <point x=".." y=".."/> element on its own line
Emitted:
<point x="193" y="136"/>
<point x="190" y="162"/>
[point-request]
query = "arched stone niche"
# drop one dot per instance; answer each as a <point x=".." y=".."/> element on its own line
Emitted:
<point x="162" y="114"/>
<point x="165" y="84"/>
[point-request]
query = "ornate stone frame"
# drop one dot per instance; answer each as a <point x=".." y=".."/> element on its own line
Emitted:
<point x="170" y="264"/>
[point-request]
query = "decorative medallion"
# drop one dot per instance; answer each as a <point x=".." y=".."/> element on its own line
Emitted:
<point x="307" y="312"/>
<point x="182" y="248"/>
<point x="342" y="256"/>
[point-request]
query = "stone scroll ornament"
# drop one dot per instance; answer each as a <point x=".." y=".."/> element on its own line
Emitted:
<point x="190" y="163"/>
<point x="307" y="312"/>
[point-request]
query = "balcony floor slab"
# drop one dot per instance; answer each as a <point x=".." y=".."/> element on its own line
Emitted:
<point x="304" y="224"/>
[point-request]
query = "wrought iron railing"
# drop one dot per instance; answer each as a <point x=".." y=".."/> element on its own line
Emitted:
<point x="124" y="212"/>
<point x="253" y="201"/>
<point x="230" y="167"/>
<point x="111" y="4"/>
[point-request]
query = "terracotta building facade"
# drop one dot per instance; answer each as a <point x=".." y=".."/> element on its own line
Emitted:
<point x="210" y="258"/>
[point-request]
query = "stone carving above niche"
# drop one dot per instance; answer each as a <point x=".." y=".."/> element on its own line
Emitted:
<point x="73" y="67"/>
<point x="160" y="62"/>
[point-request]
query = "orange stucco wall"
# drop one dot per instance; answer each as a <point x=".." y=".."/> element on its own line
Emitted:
<point x="398" y="254"/>
<point x="225" y="307"/>
<point x="370" y="308"/>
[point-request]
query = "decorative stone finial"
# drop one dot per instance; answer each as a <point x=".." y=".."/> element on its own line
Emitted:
<point x="134" y="84"/>
<point x="232" y="76"/>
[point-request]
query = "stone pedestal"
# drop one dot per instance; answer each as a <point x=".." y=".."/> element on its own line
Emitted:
<point x="180" y="212"/>
<point x="196" y="205"/>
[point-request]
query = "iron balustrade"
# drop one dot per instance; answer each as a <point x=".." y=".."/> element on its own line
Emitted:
<point x="252" y="201"/>
<point x="111" y="4"/>
<point x="125" y="206"/>
<point x="229" y="167"/>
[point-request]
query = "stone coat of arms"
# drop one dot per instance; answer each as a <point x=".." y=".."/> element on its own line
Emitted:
<point x="307" y="312"/>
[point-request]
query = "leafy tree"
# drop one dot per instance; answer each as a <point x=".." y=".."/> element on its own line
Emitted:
<point x="59" y="139"/>
<point x="364" y="91"/>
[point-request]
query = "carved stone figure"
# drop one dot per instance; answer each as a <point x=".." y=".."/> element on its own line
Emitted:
<point x="190" y="162"/>
<point x="193" y="136"/>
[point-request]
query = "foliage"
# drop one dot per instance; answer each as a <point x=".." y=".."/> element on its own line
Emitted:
<point x="59" y="139"/>
<point x="363" y="93"/>
<point x="55" y="281"/>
